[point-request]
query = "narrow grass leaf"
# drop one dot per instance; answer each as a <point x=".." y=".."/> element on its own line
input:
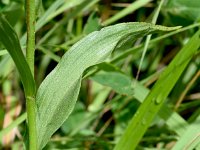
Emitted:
<point x="9" y="39"/>
<point x="191" y="138"/>
<point x="65" y="6"/>
<point x="13" y="125"/>
<point x="134" y="6"/>
<point x="55" y="9"/>
<point x="146" y="44"/>
<point x="153" y="102"/>
<point x="58" y="93"/>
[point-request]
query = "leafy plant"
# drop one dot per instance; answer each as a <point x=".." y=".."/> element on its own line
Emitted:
<point x="111" y="87"/>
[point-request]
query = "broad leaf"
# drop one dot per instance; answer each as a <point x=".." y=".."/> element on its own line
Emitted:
<point x="9" y="39"/>
<point x="58" y="93"/>
<point x="117" y="81"/>
<point x="125" y="84"/>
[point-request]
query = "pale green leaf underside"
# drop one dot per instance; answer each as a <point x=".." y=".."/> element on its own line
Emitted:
<point x="58" y="93"/>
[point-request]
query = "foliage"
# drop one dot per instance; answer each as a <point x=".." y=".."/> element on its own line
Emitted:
<point x="86" y="60"/>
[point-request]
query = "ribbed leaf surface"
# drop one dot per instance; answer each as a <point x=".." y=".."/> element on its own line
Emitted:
<point x="58" y="93"/>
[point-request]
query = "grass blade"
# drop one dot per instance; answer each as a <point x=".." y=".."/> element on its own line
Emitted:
<point x="153" y="102"/>
<point x="56" y="8"/>
<point x="146" y="44"/>
<point x="191" y="138"/>
<point x="134" y="6"/>
<point x="13" y="125"/>
<point x="124" y="85"/>
<point x="9" y="39"/>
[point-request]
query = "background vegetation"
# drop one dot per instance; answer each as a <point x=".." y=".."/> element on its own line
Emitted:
<point x="109" y="95"/>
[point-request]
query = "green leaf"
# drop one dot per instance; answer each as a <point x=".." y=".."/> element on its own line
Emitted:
<point x="6" y="65"/>
<point x="153" y="102"/>
<point x="13" y="14"/>
<point x="78" y="115"/>
<point x="49" y="14"/>
<point x="190" y="139"/>
<point x="9" y="39"/>
<point x="58" y="93"/>
<point x="117" y="81"/>
<point x="3" y="52"/>
<point x="172" y="119"/>
<point x="55" y="9"/>
<point x="13" y="125"/>
<point x="184" y="8"/>
<point x="93" y="24"/>
<point x="131" y="8"/>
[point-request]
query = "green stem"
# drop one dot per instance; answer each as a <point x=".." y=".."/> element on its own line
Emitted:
<point x="31" y="117"/>
<point x="155" y="17"/>
<point x="30" y="20"/>
<point x="30" y="50"/>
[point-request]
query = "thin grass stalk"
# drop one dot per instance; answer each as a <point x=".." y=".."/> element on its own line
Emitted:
<point x="155" y="17"/>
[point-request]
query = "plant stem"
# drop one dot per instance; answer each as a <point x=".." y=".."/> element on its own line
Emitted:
<point x="31" y="116"/>
<point x="30" y="50"/>
<point x="30" y="20"/>
<point x="155" y="17"/>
